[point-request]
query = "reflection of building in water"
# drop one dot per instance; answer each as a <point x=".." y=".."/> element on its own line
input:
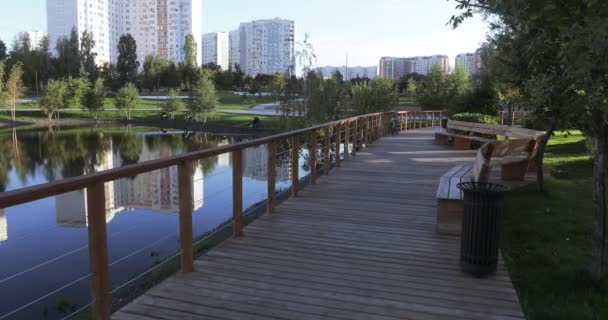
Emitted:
<point x="157" y="190"/>
<point x="3" y="227"/>
<point x="223" y="160"/>
<point x="255" y="165"/>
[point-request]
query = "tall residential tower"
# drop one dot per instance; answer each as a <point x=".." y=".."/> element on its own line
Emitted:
<point x="159" y="27"/>
<point x="215" y="49"/>
<point x="265" y="46"/>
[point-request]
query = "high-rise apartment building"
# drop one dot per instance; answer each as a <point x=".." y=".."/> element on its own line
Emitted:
<point x="265" y="46"/>
<point x="394" y="68"/>
<point x="216" y="49"/>
<point x="159" y="27"/>
<point x="235" y="48"/>
<point x="350" y="72"/>
<point x="470" y="61"/>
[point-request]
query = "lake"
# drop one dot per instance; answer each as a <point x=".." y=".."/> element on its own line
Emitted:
<point x="44" y="269"/>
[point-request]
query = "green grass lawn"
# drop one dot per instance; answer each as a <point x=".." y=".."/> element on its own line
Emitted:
<point x="227" y="101"/>
<point x="546" y="239"/>
<point x="407" y="102"/>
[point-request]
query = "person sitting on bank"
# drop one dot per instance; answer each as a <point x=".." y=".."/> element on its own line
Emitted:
<point x="255" y="123"/>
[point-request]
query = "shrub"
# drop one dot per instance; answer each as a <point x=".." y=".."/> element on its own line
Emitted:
<point x="475" y="117"/>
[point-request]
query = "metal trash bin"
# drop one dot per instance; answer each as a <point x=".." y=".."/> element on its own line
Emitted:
<point x="483" y="205"/>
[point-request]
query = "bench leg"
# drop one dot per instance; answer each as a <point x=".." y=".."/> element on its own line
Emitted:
<point x="441" y="139"/>
<point x="462" y="144"/>
<point x="514" y="171"/>
<point x="449" y="216"/>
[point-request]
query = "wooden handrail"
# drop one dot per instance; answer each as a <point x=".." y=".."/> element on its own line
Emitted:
<point x="367" y="128"/>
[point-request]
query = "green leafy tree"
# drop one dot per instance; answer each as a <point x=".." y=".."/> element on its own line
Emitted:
<point x="127" y="99"/>
<point x="2" y="51"/>
<point x="93" y="99"/>
<point x="75" y="89"/>
<point x="153" y="69"/>
<point x="412" y="87"/>
<point x="171" y="76"/>
<point x="67" y="63"/>
<point x="54" y="98"/>
<point x="189" y="49"/>
<point x="88" y="55"/>
<point x="172" y="104"/>
<point x="203" y="99"/>
<point x="15" y="87"/>
<point x="377" y="95"/>
<point x="127" y="63"/>
<point x="433" y="90"/>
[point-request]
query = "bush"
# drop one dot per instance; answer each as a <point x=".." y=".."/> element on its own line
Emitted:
<point x="475" y="117"/>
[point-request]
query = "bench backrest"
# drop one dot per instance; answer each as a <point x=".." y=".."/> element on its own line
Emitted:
<point x="481" y="166"/>
<point x="492" y="129"/>
<point x="514" y="147"/>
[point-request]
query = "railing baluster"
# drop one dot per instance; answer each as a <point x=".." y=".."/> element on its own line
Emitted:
<point x="237" y="193"/>
<point x="327" y="151"/>
<point x="98" y="251"/>
<point x="355" y="137"/>
<point x="347" y="141"/>
<point x="272" y="174"/>
<point x="184" y="177"/>
<point x="313" y="157"/>
<point x="295" y="165"/>
<point x="338" y="143"/>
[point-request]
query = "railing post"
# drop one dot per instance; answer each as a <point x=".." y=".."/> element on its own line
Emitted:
<point x="440" y="118"/>
<point x="313" y="157"/>
<point x="347" y="141"/>
<point x="407" y="115"/>
<point x="356" y="137"/>
<point x="338" y="142"/>
<point x="98" y="251"/>
<point x="184" y="177"/>
<point x="420" y="126"/>
<point x="237" y="193"/>
<point x="272" y="174"/>
<point x="432" y="119"/>
<point x="295" y="165"/>
<point x="327" y="151"/>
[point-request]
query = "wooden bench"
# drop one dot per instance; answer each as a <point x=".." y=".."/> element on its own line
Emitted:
<point x="465" y="134"/>
<point x="514" y="157"/>
<point x="450" y="207"/>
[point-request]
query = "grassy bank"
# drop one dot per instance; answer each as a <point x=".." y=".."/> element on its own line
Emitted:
<point x="227" y="101"/>
<point x="547" y="239"/>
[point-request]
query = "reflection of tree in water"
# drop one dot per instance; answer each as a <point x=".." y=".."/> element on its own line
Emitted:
<point x="130" y="147"/>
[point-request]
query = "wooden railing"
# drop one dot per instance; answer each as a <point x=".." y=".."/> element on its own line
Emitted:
<point x="358" y="131"/>
<point x="420" y="119"/>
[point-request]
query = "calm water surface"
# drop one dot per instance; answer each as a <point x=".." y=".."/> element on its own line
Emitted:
<point x="44" y="270"/>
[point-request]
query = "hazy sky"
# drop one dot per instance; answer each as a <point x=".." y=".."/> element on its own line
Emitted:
<point x="366" y="29"/>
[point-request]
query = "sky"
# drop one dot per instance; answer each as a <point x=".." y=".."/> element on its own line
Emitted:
<point x="365" y="29"/>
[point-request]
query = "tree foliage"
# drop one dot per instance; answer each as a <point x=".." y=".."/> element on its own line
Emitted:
<point x="87" y="56"/>
<point x="377" y="95"/>
<point x="127" y="99"/>
<point x="190" y="52"/>
<point x="14" y="87"/>
<point x="203" y="99"/>
<point x="93" y="99"/>
<point x="127" y="64"/>
<point x="172" y="104"/>
<point x="54" y="98"/>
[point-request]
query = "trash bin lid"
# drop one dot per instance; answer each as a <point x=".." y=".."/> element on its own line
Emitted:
<point x="482" y="187"/>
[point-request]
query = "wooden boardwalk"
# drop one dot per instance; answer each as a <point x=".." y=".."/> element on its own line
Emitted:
<point x="361" y="244"/>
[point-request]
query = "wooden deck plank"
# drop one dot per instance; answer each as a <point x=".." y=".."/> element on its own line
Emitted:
<point x="360" y="244"/>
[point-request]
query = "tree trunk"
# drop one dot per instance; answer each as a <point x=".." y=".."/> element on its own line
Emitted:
<point x="598" y="254"/>
<point x="540" y="158"/>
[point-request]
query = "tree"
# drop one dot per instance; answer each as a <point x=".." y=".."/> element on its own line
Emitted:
<point x="202" y="99"/>
<point x="377" y="95"/>
<point x="171" y="76"/>
<point x="412" y="86"/>
<point x="563" y="45"/>
<point x="2" y="51"/>
<point x="87" y="54"/>
<point x="67" y="63"/>
<point x="111" y="77"/>
<point x="14" y="87"/>
<point x="75" y="89"/>
<point x="54" y="98"/>
<point x="172" y="104"/>
<point x="127" y="63"/>
<point x="3" y="95"/>
<point x="433" y="90"/>
<point x="154" y="67"/>
<point x="127" y="99"/>
<point x="94" y="98"/>
<point x="189" y="49"/>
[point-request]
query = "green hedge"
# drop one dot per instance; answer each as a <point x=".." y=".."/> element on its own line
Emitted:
<point x="475" y="117"/>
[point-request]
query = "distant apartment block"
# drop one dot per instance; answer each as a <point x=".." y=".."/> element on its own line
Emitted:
<point x="264" y="46"/>
<point x="216" y="49"/>
<point x="470" y="61"/>
<point x="350" y="72"/>
<point x="394" y="68"/>
<point x="159" y="27"/>
<point x="234" y="40"/>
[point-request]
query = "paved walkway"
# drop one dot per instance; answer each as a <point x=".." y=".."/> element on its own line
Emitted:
<point x="359" y="245"/>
